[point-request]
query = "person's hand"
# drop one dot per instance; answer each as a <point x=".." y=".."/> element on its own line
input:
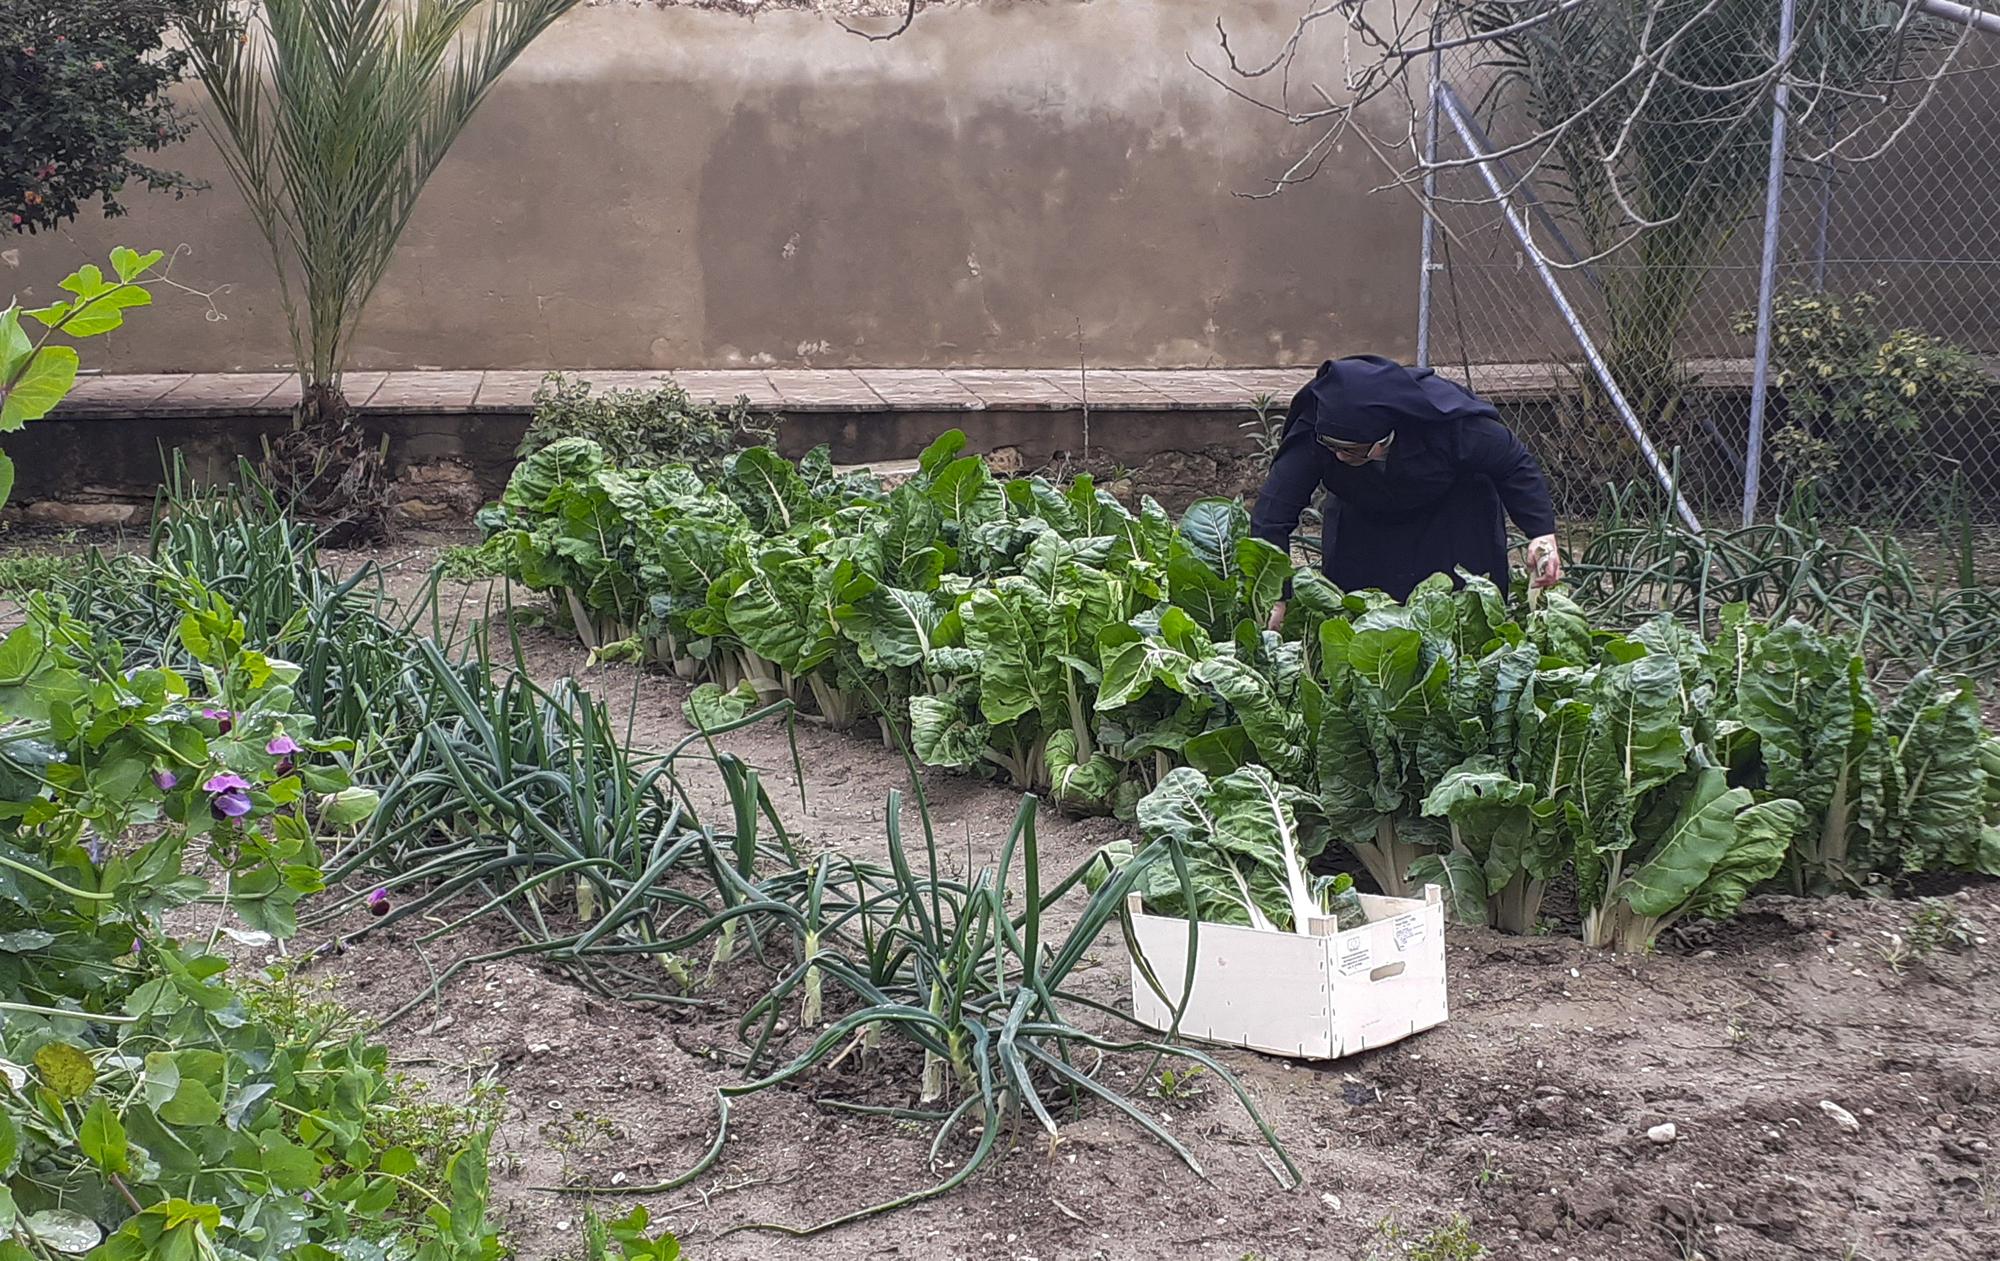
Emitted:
<point x="1545" y="566"/>
<point x="1276" y="622"/>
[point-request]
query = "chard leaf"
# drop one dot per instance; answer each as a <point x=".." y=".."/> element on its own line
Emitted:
<point x="1274" y="729"/>
<point x="1207" y="596"/>
<point x="1635" y="743"/>
<point x="1720" y="846"/>
<point x="945" y="448"/>
<point x="709" y="708"/>
<point x="1241" y="834"/>
<point x="892" y="626"/>
<point x="1133" y="663"/>
<point x="1461" y="878"/>
<point x="944" y="732"/>
<point x="1932" y="777"/>
<point x="540" y="479"/>
<point x="1219" y="751"/>
<point x="1560" y="630"/>
<point x="769" y="490"/>
<point x="966" y="494"/>
<point x="1210" y="531"/>
<point x="1080" y="785"/>
<point x="1266" y="571"/>
<point x="1008" y="625"/>
<point x="1764" y="836"/>
<point x="774" y="610"/>
<point x="1345" y="771"/>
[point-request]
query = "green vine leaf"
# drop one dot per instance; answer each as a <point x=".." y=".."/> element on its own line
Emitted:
<point x="65" y="1070"/>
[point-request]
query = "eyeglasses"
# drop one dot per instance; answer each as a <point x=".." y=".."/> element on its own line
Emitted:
<point x="1357" y="448"/>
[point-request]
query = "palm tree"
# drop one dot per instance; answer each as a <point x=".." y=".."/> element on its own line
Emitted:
<point x="331" y="116"/>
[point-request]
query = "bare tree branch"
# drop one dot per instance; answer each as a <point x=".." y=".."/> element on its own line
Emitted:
<point x="909" y="16"/>
<point x="1595" y="94"/>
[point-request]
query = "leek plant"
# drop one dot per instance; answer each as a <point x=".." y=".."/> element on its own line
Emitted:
<point x="978" y="988"/>
<point x="527" y="799"/>
<point x="1866" y="585"/>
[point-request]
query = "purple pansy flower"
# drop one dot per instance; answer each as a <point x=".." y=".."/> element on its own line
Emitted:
<point x="166" y="780"/>
<point x="229" y="795"/>
<point x="378" y="902"/>
<point x="222" y="719"/>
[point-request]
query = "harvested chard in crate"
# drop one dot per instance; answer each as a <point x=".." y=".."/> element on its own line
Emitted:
<point x="1284" y="961"/>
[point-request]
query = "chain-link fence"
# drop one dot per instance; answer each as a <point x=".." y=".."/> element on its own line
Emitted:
<point x="1883" y="400"/>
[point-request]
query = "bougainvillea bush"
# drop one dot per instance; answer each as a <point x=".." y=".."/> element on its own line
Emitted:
<point x="87" y="97"/>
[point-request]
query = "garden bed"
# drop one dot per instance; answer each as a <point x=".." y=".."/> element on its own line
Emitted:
<point x="1528" y="1115"/>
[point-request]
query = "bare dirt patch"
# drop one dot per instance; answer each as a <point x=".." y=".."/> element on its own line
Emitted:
<point x="1528" y="1114"/>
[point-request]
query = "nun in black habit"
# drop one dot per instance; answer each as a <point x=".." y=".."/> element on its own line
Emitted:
<point x="1417" y="471"/>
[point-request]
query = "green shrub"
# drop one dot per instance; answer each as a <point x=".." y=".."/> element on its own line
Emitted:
<point x="37" y="371"/>
<point x="24" y="572"/>
<point x="1862" y="402"/>
<point x="464" y="562"/>
<point x="1451" y="1242"/>
<point x="175" y="1114"/>
<point x="647" y="428"/>
<point x="1937" y="925"/>
<point x="87" y="91"/>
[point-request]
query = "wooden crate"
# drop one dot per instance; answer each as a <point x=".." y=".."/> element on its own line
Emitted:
<point x="1312" y="996"/>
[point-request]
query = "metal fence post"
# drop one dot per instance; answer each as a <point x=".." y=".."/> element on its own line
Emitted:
<point x="1429" y="206"/>
<point x="1767" y="275"/>
<point x="1974" y="16"/>
<point x="1459" y="117"/>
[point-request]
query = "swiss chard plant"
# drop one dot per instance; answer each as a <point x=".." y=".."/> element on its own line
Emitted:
<point x="1091" y="651"/>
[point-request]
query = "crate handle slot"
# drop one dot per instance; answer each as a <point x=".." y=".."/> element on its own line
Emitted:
<point x="1386" y="971"/>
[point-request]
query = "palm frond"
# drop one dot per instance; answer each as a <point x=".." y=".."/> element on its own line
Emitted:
<point x="332" y="115"/>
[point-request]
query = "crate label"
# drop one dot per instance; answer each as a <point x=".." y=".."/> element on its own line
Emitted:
<point x="1357" y="953"/>
<point x="1405" y="929"/>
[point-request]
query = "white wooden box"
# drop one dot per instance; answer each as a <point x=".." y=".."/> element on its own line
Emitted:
<point x="1314" y="996"/>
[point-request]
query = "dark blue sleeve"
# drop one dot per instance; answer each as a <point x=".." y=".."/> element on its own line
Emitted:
<point x="1293" y="480"/>
<point x="1490" y="449"/>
